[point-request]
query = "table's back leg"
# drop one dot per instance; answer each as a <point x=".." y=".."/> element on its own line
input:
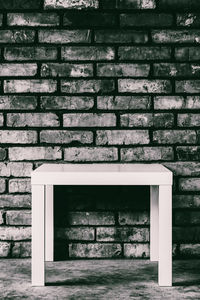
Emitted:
<point x="154" y="223"/>
<point x="38" y="207"/>
<point x="49" y="223"/>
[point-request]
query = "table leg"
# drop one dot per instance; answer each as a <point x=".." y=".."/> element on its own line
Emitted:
<point x="38" y="267"/>
<point x="154" y="223"/>
<point x="49" y="223"/>
<point x="165" y="235"/>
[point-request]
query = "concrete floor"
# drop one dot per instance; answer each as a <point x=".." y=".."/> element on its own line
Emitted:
<point x="99" y="279"/>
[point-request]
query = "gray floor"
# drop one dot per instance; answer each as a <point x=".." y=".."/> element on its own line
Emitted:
<point x="99" y="279"/>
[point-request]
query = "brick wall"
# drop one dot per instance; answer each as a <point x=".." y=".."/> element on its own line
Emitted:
<point x="99" y="81"/>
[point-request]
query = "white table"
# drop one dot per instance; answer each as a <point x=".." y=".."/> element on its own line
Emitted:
<point x="156" y="176"/>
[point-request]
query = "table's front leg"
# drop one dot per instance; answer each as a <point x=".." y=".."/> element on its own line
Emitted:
<point x="49" y="223"/>
<point x="165" y="236"/>
<point x="38" y="211"/>
<point x="154" y="223"/>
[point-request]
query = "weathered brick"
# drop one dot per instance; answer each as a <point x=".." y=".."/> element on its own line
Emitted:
<point x="18" y="69"/>
<point x="4" y="249"/>
<point x="71" y="4"/>
<point x="66" y="136"/>
<point x="176" y="70"/>
<point x="19" y="186"/>
<point x="188" y="86"/>
<point x="4" y="170"/>
<point x="189" y="184"/>
<point x="147" y="154"/>
<point x="15" y="233"/>
<point x="76" y="234"/>
<point x="187" y="53"/>
<point x="188" y="20"/>
<point x="188" y="120"/>
<point x="90" y="154"/>
<point x="87" y="86"/>
<point x="91" y="218"/>
<point x="190" y="250"/>
<point x="32" y="19"/>
<point x="17" y="169"/>
<point x="179" y="4"/>
<point x="2" y="185"/>
<point x="32" y="120"/>
<point x="122" y="137"/>
<point x="144" y="86"/>
<point x="30" y="53"/>
<point x="133" y="218"/>
<point x="176" y="36"/>
<point x="30" y="86"/>
<point x="144" y="53"/>
<point x="136" y="4"/>
<point x="21" y="249"/>
<point x="95" y="250"/>
<point x="18" y="217"/>
<point x="169" y="102"/>
<point x="187" y="217"/>
<point x="148" y="20"/>
<point x="20" y="4"/>
<point x="89" y="120"/>
<point x="184" y="168"/>
<point x="122" y="234"/>
<point x="1" y="119"/>
<point x="123" y="102"/>
<point x="15" y="201"/>
<point x="186" y="234"/>
<point x="18" y="102"/>
<point x="123" y="70"/>
<point x="136" y="250"/>
<point x="17" y="36"/>
<point x="62" y="36"/>
<point x="66" y="70"/>
<point x="147" y="120"/>
<point x="121" y="36"/>
<point x="174" y="136"/>
<point x="186" y="201"/>
<point x="2" y="154"/>
<point x="34" y="153"/>
<point x="87" y="53"/>
<point x="18" y="137"/>
<point x="1" y="217"/>
<point x="188" y="152"/>
<point x="67" y="102"/>
<point x="192" y="102"/>
<point x="89" y="19"/>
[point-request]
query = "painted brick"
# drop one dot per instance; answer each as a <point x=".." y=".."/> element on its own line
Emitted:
<point x="17" y="36"/>
<point x="30" y="53"/>
<point x="89" y="120"/>
<point x="188" y="20"/>
<point x="32" y="19"/>
<point x="71" y="4"/>
<point x="187" y="53"/>
<point x="123" y="70"/>
<point x="18" y="69"/>
<point x="144" y="53"/>
<point x="2" y="154"/>
<point x="176" y="70"/>
<point x="188" y="86"/>
<point x="90" y="154"/>
<point x="95" y="250"/>
<point x="67" y="102"/>
<point x="186" y="201"/>
<point x="32" y="120"/>
<point x="136" y="250"/>
<point x="87" y="86"/>
<point x="2" y="185"/>
<point x="89" y="19"/>
<point x="189" y="217"/>
<point x="34" y="153"/>
<point x="66" y="70"/>
<point x="122" y="234"/>
<point x="188" y="152"/>
<point x="190" y="250"/>
<point x="87" y="53"/>
<point x="20" y="4"/>
<point x="148" y="20"/>
<point x="177" y="4"/>
<point x="174" y="136"/>
<point x="176" y="36"/>
<point x="19" y="186"/>
<point x="144" y="86"/>
<point x="186" y="234"/>
<point x="123" y="102"/>
<point x="121" y="36"/>
<point x="122" y="137"/>
<point x="18" y="137"/>
<point x="65" y="136"/>
<point x="189" y="184"/>
<point x="4" y="249"/>
<point x="188" y="120"/>
<point x="18" y="102"/>
<point x="133" y="218"/>
<point x="20" y="217"/>
<point x="136" y="4"/>
<point x="184" y="168"/>
<point x="30" y="86"/>
<point x="76" y="234"/>
<point x="91" y="218"/>
<point x="15" y="201"/>
<point x="147" y="154"/>
<point x="62" y="36"/>
<point x="21" y="249"/>
<point x="147" y="120"/>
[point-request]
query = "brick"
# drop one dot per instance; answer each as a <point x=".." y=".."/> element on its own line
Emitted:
<point x="108" y="4"/>
<point x="71" y="4"/>
<point x="190" y="250"/>
<point x="15" y="201"/>
<point x="67" y="102"/>
<point x="188" y="152"/>
<point x="189" y="184"/>
<point x="123" y="102"/>
<point x="32" y="19"/>
<point x="87" y="86"/>
<point x="121" y="36"/>
<point x="30" y="53"/>
<point x="144" y="19"/>
<point x="192" y="102"/>
<point x="147" y="120"/>
<point x="95" y="250"/>
<point x="18" y="102"/>
<point x="2" y="185"/>
<point x="186" y="201"/>
<point x="17" y="36"/>
<point x="144" y="86"/>
<point x="189" y="217"/>
<point x="91" y="218"/>
<point x="122" y="234"/>
<point x="174" y="136"/>
<point x="188" y="120"/>
<point x="62" y="36"/>
<point x="19" y="186"/>
<point x="4" y="170"/>
<point x="66" y="70"/>
<point x="136" y="4"/>
<point x="30" y="86"/>
<point x="187" y="53"/>
<point x="1" y="19"/>
<point x="147" y="154"/>
<point x="32" y="120"/>
<point x="1" y="217"/>
<point x="87" y="53"/>
<point x="186" y="234"/>
<point x="34" y="153"/>
<point x="123" y="70"/>
<point x="89" y="120"/>
<point x="89" y="19"/>
<point x="1" y="119"/>
<point x="17" y="169"/>
<point x="2" y="154"/>
<point x="122" y="137"/>
<point x="20" y="217"/>
<point x="15" y="233"/>
<point x="188" y="20"/>
<point x="18" y="69"/>
<point x="144" y="53"/>
<point x="4" y="249"/>
<point x="90" y="154"/>
<point x="20" y="4"/>
<point x="188" y="86"/>
<point x="18" y="137"/>
<point x="133" y="218"/>
<point x="76" y="234"/>
<point x="21" y="249"/>
<point x="176" y="70"/>
<point x="179" y="4"/>
<point x="169" y="102"/>
<point x="136" y="250"/>
<point x="176" y="36"/>
<point x="184" y="168"/>
<point x="66" y="136"/>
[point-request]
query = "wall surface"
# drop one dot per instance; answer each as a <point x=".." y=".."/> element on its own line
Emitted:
<point x="99" y="81"/>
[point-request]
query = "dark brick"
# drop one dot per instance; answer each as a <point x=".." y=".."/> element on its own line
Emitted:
<point x="179" y="4"/>
<point x="147" y="154"/>
<point x="186" y="234"/>
<point x="21" y="249"/>
<point x="144" y="53"/>
<point x="188" y="86"/>
<point x="66" y="70"/>
<point x="89" y="19"/>
<point x="176" y="70"/>
<point x="190" y="250"/>
<point x="75" y="233"/>
<point x="189" y="184"/>
<point x="188" y="152"/>
<point x="66" y="102"/>
<point x="123" y="70"/>
<point x="108" y="4"/>
<point x="20" y="4"/>
<point x="188" y="20"/>
<point x="188" y="217"/>
<point x="121" y="36"/>
<point x="174" y="136"/>
<point x="187" y="53"/>
<point x="62" y="36"/>
<point x="30" y="53"/>
<point x="87" y="86"/>
<point x="87" y="53"/>
<point x="95" y="250"/>
<point x="2" y="154"/>
<point x="91" y="218"/>
<point x="122" y="234"/>
<point x="136" y="4"/>
<point x="148" y="20"/>
<point x="17" y="36"/>
<point x="18" y="102"/>
<point x="186" y="201"/>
